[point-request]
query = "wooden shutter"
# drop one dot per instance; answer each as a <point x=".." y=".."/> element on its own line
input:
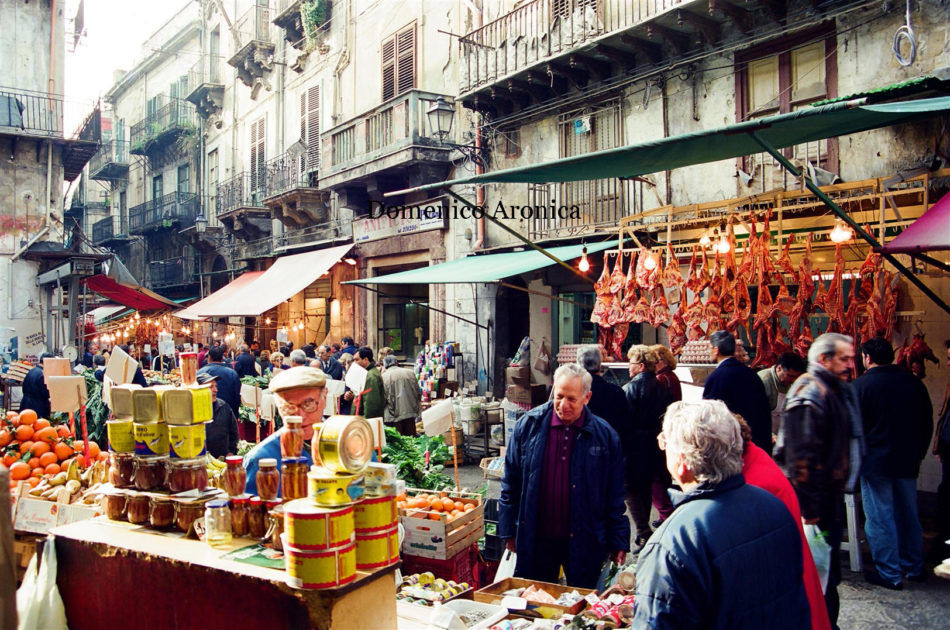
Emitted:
<point x="257" y="155"/>
<point x="310" y="127"/>
<point x="406" y="60"/>
<point x="389" y="69"/>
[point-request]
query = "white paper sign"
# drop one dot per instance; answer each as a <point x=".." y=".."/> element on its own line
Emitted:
<point x="250" y="395"/>
<point x="268" y="405"/>
<point x="437" y="419"/>
<point x="66" y="393"/>
<point x="355" y="378"/>
<point x="335" y="389"/>
<point x="147" y="348"/>
<point x="121" y="367"/>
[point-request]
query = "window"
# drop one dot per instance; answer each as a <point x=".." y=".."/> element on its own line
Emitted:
<point x="399" y="63"/>
<point x="257" y="158"/>
<point x="212" y="178"/>
<point x="214" y="50"/>
<point x="157" y="186"/>
<point x="184" y="177"/>
<point x="310" y="127"/>
<point x="784" y="77"/>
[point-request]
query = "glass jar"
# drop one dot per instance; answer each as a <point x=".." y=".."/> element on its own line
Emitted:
<point x="115" y="505"/>
<point x="239" y="511"/>
<point x="187" y="474"/>
<point x="189" y="368"/>
<point x="275" y="526"/>
<point x="218" y="523"/>
<point x="293" y="478"/>
<point x="188" y="513"/>
<point x="161" y="512"/>
<point x="291" y="437"/>
<point x="255" y="518"/>
<point x="138" y="508"/>
<point x="235" y="477"/>
<point x="122" y="471"/>
<point x="149" y="472"/>
<point x="268" y="479"/>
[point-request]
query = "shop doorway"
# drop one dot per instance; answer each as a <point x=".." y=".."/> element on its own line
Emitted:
<point x="402" y="316"/>
<point x="218" y="278"/>
<point x="512" y="324"/>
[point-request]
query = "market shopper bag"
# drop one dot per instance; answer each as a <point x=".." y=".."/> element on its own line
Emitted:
<point x="39" y="604"/>
<point x="506" y="568"/>
<point x="820" y="551"/>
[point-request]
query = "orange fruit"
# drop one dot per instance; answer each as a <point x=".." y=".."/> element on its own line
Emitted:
<point x="93" y="448"/>
<point x="63" y="451"/>
<point x="33" y="462"/>
<point x="11" y="415"/>
<point x="459" y="506"/>
<point x="33" y="481"/>
<point x="448" y="505"/>
<point x="27" y="416"/>
<point x="469" y="507"/>
<point x="103" y="456"/>
<point x="8" y="460"/>
<point x="435" y="516"/>
<point x="41" y="423"/>
<point x="19" y="471"/>
<point x="436" y="505"/>
<point x="39" y="448"/>
<point x="46" y="434"/>
<point x="36" y="472"/>
<point x="51" y="469"/>
<point x="24" y="432"/>
<point x="25" y="446"/>
<point x="48" y="458"/>
<point x="62" y="431"/>
<point x="5" y="437"/>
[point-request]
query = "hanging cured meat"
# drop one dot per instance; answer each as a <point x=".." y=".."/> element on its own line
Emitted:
<point x="784" y="302"/>
<point x="677" y="332"/>
<point x="762" y="348"/>
<point x="765" y="247"/>
<point x="915" y="354"/>
<point x="695" y="281"/>
<point x="871" y="264"/>
<point x="763" y="305"/>
<point x="704" y="277"/>
<point x="785" y="261"/>
<point x="629" y="291"/>
<point x="603" y="296"/>
<point x="695" y="312"/>
<point x="834" y="301"/>
<point x="672" y="276"/>
<point x="641" y="311"/>
<point x="646" y="277"/>
<point x="660" y="309"/>
<point x="889" y="309"/>
<point x="804" y="340"/>
<point x="821" y="294"/>
<point x="617" y="337"/>
<point x="743" y="308"/>
<point x="806" y="283"/>
<point x="617" y="277"/>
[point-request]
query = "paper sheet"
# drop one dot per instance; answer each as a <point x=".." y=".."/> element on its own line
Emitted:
<point x="250" y="395"/>
<point x="121" y="367"/>
<point x="437" y="419"/>
<point x="268" y="405"/>
<point x="355" y="378"/>
<point x="66" y="393"/>
<point x="335" y="389"/>
<point x="55" y="366"/>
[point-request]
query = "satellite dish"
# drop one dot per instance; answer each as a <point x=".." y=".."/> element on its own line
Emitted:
<point x="70" y="353"/>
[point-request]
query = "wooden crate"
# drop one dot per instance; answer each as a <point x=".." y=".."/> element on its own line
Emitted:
<point x="24" y="546"/>
<point x="492" y="594"/>
<point x="431" y="534"/>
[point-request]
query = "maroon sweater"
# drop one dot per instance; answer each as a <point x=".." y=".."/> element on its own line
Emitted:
<point x="554" y="506"/>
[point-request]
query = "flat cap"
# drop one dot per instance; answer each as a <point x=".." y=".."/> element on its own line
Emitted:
<point x="298" y="377"/>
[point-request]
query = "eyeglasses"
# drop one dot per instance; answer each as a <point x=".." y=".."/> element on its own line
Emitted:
<point x="661" y="440"/>
<point x="308" y="405"/>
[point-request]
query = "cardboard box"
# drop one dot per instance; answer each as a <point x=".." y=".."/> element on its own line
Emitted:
<point x="492" y="594"/>
<point x="533" y="395"/>
<point x="518" y="375"/>
<point x="440" y="538"/>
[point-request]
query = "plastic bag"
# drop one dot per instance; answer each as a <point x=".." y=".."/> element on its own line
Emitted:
<point x="608" y="575"/>
<point x="39" y="604"/>
<point x="820" y="551"/>
<point x="543" y="361"/>
<point x="523" y="355"/>
<point x="506" y="568"/>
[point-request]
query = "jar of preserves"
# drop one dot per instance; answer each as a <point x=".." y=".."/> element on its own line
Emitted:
<point x="218" y="523"/>
<point x="291" y="437"/>
<point x="137" y="509"/>
<point x="161" y="512"/>
<point x="275" y="526"/>
<point x="235" y="477"/>
<point x="239" y="511"/>
<point x="186" y="474"/>
<point x="268" y="479"/>
<point x="122" y="470"/>
<point x="149" y="473"/>
<point x="255" y="518"/>
<point x="188" y="513"/>
<point x="293" y="478"/>
<point x="115" y="504"/>
<point x="189" y="368"/>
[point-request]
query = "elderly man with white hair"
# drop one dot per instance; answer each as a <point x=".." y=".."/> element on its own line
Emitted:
<point x="562" y="494"/>
<point x="730" y="555"/>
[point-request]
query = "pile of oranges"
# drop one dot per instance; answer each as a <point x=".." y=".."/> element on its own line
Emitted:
<point x="433" y="506"/>
<point x="32" y="448"/>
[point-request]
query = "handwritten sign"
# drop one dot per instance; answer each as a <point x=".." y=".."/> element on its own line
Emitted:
<point x="36" y="339"/>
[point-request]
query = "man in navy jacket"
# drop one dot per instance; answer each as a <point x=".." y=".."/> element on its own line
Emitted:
<point x="562" y="494"/>
<point x="244" y="364"/>
<point x="229" y="385"/>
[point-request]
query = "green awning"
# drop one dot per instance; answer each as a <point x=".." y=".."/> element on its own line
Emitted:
<point x="485" y="268"/>
<point x="783" y="130"/>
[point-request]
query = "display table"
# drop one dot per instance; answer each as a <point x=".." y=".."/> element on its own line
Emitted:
<point x="111" y="574"/>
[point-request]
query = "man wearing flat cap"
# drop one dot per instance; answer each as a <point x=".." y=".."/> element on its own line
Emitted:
<point x="299" y="392"/>
<point x="221" y="434"/>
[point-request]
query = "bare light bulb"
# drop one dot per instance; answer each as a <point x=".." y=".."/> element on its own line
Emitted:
<point x="723" y="245"/>
<point x="704" y="240"/>
<point x="649" y="263"/>
<point x="267" y="321"/>
<point x="584" y="265"/>
<point x="841" y="232"/>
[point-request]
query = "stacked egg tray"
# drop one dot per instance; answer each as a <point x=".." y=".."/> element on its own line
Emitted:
<point x="698" y="351"/>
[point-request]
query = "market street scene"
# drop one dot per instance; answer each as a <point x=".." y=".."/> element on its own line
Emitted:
<point x="475" y="314"/>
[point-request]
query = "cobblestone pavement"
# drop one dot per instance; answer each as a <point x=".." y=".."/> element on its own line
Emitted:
<point x="863" y="606"/>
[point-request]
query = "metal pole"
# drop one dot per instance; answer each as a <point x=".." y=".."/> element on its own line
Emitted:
<point x="818" y="192"/>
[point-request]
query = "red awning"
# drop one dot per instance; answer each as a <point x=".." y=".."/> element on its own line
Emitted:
<point x="931" y="232"/>
<point x="139" y="298"/>
<point x="194" y="311"/>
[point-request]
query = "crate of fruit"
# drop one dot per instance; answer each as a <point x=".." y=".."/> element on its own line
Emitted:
<point x="493" y="467"/>
<point x="440" y="524"/>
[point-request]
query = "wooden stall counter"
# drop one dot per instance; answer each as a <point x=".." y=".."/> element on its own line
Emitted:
<point x="111" y="574"/>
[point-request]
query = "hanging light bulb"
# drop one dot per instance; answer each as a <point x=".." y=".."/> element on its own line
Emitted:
<point x="137" y="316"/>
<point x="214" y="334"/>
<point x="649" y="263"/>
<point x="584" y="265"/>
<point x="841" y="233"/>
<point x="267" y="321"/>
<point x="704" y="240"/>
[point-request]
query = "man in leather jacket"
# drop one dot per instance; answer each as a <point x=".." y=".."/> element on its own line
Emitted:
<point x="820" y="444"/>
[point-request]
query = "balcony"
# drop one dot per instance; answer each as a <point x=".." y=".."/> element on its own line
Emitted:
<point x="173" y="119"/>
<point x="174" y="210"/>
<point x="290" y="190"/>
<point x="112" y="230"/>
<point x="255" y="59"/>
<point x="239" y="206"/>
<point x="208" y="93"/>
<point x="111" y="162"/>
<point x="172" y="272"/>
<point x="329" y="231"/>
<point x="385" y="149"/>
<point x="25" y="113"/>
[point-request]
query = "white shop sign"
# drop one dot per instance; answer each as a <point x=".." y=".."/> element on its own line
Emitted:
<point x="394" y="224"/>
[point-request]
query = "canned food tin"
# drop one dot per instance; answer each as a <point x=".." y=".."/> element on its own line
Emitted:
<point x="121" y="401"/>
<point x="147" y="403"/>
<point x="375" y="515"/>
<point x="345" y="444"/>
<point x="377" y="550"/>
<point x="320" y="569"/>
<point x="150" y="439"/>
<point x="333" y="489"/>
<point x="121" y="438"/>
<point x="177" y="406"/>
<point x="201" y="410"/>
<point x="312" y="528"/>
<point x="186" y="442"/>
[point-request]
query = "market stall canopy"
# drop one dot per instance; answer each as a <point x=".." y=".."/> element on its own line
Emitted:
<point x="783" y="130"/>
<point x="286" y="277"/>
<point x="486" y="268"/>
<point x="102" y="313"/>
<point x="193" y="311"/>
<point x="117" y="284"/>
<point x="930" y="232"/>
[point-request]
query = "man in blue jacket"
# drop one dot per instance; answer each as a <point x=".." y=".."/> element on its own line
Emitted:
<point x="730" y="555"/>
<point x="229" y="384"/>
<point x="562" y="494"/>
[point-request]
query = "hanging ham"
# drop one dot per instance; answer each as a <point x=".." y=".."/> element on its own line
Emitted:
<point x="647" y="278"/>
<point x="672" y="276"/>
<point x="660" y="309"/>
<point x="806" y="283"/>
<point x="785" y="261"/>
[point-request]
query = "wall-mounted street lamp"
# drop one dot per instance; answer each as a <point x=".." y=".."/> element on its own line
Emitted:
<point x="441" y="114"/>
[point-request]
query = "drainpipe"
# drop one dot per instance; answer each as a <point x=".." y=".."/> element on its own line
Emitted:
<point x="479" y="190"/>
<point x="52" y="43"/>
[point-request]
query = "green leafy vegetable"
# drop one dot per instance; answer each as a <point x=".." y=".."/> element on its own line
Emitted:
<point x="408" y="454"/>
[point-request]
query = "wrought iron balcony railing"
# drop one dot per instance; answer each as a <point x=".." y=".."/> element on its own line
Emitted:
<point x="176" y="116"/>
<point x="111" y="161"/>
<point x="176" y="209"/>
<point x="109" y="229"/>
<point x="241" y="191"/>
<point x="170" y="272"/>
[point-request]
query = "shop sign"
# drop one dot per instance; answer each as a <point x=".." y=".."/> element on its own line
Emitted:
<point x="385" y="222"/>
